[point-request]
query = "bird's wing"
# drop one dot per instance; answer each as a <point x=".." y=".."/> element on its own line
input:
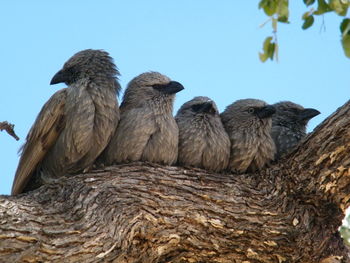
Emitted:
<point x="43" y="134"/>
<point x="134" y="130"/>
<point x="192" y="142"/>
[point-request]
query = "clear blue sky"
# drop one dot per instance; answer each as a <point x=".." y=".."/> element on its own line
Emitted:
<point x="211" y="47"/>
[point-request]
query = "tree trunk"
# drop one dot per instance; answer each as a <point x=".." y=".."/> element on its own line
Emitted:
<point x="142" y="212"/>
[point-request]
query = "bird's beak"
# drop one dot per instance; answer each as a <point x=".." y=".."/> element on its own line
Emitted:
<point x="172" y="88"/>
<point x="60" y="76"/>
<point x="207" y="107"/>
<point x="266" y="112"/>
<point x="308" y="114"/>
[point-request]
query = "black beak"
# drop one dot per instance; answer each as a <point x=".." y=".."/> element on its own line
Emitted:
<point x="60" y="76"/>
<point x="266" y="111"/>
<point x="171" y="88"/>
<point x="207" y="107"/>
<point x="308" y="114"/>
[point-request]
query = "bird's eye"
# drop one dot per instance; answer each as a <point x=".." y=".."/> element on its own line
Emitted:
<point x="71" y="70"/>
<point x="251" y="110"/>
<point x="295" y="111"/>
<point x="158" y="86"/>
<point x="196" y="107"/>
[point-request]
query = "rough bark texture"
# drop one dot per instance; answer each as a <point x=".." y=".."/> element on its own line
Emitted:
<point x="142" y="212"/>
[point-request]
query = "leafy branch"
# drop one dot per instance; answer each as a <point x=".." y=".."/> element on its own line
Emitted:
<point x="278" y="11"/>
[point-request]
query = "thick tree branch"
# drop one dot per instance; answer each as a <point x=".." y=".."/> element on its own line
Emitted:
<point x="325" y="157"/>
<point x="9" y="128"/>
<point x="143" y="212"/>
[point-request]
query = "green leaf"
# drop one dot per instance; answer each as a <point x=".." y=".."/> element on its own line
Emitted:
<point x="263" y="57"/>
<point x="309" y="2"/>
<point x="308" y="22"/>
<point x="322" y="7"/>
<point x="271" y="50"/>
<point x="339" y="7"/>
<point x="346" y="45"/>
<point x="283" y="19"/>
<point x="269" y="6"/>
<point x="283" y="11"/>
<point x="305" y="15"/>
<point x="345" y="26"/>
<point x="266" y="44"/>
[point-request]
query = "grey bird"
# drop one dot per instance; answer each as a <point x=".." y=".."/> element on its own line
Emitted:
<point x="289" y="125"/>
<point x="75" y="124"/>
<point x="203" y="141"/>
<point x="147" y="130"/>
<point x="248" y="124"/>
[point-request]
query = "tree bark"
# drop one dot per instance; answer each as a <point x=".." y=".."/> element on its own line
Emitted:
<point x="142" y="212"/>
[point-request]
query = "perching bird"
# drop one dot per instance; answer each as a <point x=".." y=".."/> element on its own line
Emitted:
<point x="75" y="125"/>
<point x="289" y="125"/>
<point x="203" y="141"/>
<point x="147" y="130"/>
<point x="248" y="124"/>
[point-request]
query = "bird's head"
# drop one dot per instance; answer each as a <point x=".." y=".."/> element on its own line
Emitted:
<point x="248" y="113"/>
<point x="89" y="64"/>
<point x="198" y="106"/>
<point x="150" y="87"/>
<point x="290" y="114"/>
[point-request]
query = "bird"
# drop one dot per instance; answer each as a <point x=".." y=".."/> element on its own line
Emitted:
<point x="147" y="130"/>
<point x="248" y="125"/>
<point x="203" y="141"/>
<point x="289" y="125"/>
<point x="75" y="124"/>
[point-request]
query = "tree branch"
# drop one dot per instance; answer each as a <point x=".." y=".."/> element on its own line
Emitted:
<point x="9" y="128"/>
<point x="144" y="212"/>
<point x="321" y="165"/>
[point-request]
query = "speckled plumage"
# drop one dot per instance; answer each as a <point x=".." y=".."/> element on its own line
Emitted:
<point x="289" y="125"/>
<point x="248" y="125"/>
<point x="203" y="141"/>
<point x="76" y="123"/>
<point x="147" y="130"/>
